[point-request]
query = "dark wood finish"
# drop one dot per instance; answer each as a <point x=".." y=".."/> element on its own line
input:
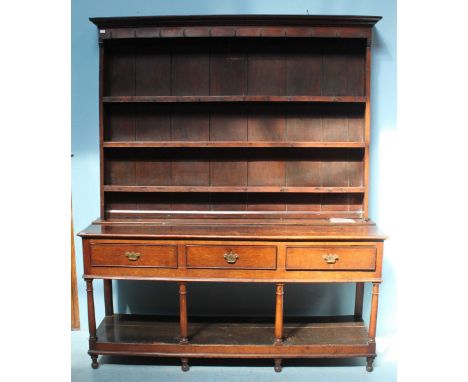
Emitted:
<point x="259" y="172"/>
<point x="234" y="229"/>
<point x="301" y="123"/>
<point x="278" y="366"/>
<point x="184" y="366"/>
<point x="102" y="62"/>
<point x="252" y="98"/>
<point x="91" y="316"/>
<point x="367" y="128"/>
<point x="359" y="300"/>
<point x="235" y="26"/>
<point x="108" y="298"/>
<point x="229" y="22"/>
<point x="304" y="337"/>
<point x="234" y="149"/>
<point x="91" y="322"/>
<point x="227" y="144"/>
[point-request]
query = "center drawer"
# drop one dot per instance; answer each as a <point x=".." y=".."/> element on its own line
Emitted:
<point x="132" y="255"/>
<point x="356" y="258"/>
<point x="231" y="257"/>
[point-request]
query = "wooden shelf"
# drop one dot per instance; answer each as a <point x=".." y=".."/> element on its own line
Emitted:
<point x="309" y="337"/>
<point x="240" y="98"/>
<point x="232" y="189"/>
<point x="226" y="144"/>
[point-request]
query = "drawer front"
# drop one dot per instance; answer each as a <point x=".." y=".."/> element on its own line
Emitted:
<point x="231" y="257"/>
<point x="123" y="255"/>
<point x="331" y="258"/>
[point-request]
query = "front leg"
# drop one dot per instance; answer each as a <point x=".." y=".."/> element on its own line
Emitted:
<point x="370" y="364"/>
<point x="94" y="361"/>
<point x="185" y="366"/>
<point x="91" y="323"/>
<point x="278" y="366"/>
<point x="373" y="326"/>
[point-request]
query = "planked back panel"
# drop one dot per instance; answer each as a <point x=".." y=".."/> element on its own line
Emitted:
<point x="226" y="66"/>
<point x="233" y="66"/>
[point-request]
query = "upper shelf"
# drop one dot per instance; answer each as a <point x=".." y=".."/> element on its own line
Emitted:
<point x="250" y="98"/>
<point x="230" y="189"/>
<point x="234" y="144"/>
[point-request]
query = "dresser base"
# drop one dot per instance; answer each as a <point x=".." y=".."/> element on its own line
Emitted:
<point x="281" y="253"/>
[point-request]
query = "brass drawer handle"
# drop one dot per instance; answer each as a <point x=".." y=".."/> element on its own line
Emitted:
<point x="231" y="257"/>
<point x="132" y="256"/>
<point x="330" y="258"/>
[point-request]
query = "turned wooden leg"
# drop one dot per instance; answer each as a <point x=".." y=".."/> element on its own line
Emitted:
<point x="359" y="300"/>
<point x="183" y="316"/>
<point x="279" y="314"/>
<point x="373" y="325"/>
<point x="278" y="366"/>
<point x="108" y="301"/>
<point x="91" y="322"/>
<point x="185" y="366"/>
<point x="370" y="362"/>
<point x="94" y="362"/>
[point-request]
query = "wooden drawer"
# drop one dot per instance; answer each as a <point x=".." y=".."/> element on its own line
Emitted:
<point x="331" y="258"/>
<point x="231" y="257"/>
<point x="128" y="255"/>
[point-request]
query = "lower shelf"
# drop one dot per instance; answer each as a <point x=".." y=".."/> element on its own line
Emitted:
<point x="342" y="336"/>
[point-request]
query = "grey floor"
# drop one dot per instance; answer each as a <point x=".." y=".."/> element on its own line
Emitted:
<point x="129" y="369"/>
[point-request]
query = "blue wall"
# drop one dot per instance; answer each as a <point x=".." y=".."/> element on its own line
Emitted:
<point x="311" y="299"/>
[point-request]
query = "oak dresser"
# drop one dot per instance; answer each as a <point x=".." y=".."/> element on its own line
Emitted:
<point x="234" y="149"/>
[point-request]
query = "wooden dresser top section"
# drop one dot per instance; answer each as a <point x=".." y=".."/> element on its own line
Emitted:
<point x="271" y="119"/>
<point x="262" y="230"/>
<point x="235" y="26"/>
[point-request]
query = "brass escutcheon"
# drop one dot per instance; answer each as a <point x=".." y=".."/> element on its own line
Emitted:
<point x="331" y="258"/>
<point x="132" y="256"/>
<point x="231" y="257"/>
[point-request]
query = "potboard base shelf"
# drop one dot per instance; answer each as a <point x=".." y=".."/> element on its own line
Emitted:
<point x="336" y="337"/>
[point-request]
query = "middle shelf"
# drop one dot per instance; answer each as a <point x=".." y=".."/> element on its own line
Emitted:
<point x="254" y="124"/>
<point x="239" y="144"/>
<point x="231" y="189"/>
<point x="235" y="170"/>
<point x="232" y="98"/>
